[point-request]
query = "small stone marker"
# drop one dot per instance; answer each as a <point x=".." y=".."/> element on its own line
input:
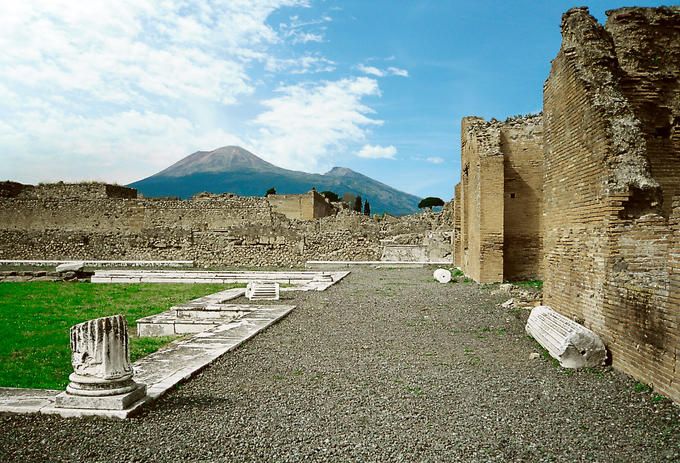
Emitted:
<point x="102" y="376"/>
<point x="263" y="291"/>
<point x="573" y="345"/>
<point x="70" y="267"/>
<point x="323" y="277"/>
<point x="442" y="275"/>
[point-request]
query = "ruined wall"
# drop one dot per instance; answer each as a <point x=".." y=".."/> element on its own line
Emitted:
<point x="482" y="200"/>
<point x="647" y="46"/>
<point x="610" y="211"/>
<point x="307" y="206"/>
<point x="456" y="240"/>
<point x="498" y="202"/>
<point x="522" y="148"/>
<point x="208" y="229"/>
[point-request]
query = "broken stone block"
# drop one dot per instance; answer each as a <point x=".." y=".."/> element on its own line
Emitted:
<point x="70" y="267"/>
<point x="573" y="345"/>
<point x="263" y="291"/>
<point x="506" y="287"/>
<point x="509" y="304"/>
<point x="442" y="275"/>
<point x="102" y="373"/>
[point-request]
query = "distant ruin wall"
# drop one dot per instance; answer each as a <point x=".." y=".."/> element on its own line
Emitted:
<point x="208" y="229"/>
<point x="306" y="206"/>
<point x="610" y="202"/>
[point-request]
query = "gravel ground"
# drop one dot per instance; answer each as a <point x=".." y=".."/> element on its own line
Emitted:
<point x="385" y="366"/>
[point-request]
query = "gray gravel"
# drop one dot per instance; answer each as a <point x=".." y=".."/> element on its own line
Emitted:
<point x="386" y="366"/>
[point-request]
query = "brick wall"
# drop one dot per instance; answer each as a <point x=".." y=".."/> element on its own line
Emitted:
<point x="307" y="206"/>
<point x="610" y="223"/>
<point x="522" y="148"/>
<point x="498" y="201"/>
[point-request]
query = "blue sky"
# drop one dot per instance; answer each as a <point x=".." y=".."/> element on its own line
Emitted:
<point x="116" y="91"/>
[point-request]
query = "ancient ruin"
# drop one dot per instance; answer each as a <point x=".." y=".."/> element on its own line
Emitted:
<point x="102" y="375"/>
<point x="601" y="197"/>
<point x="498" y="215"/>
<point x="107" y="222"/>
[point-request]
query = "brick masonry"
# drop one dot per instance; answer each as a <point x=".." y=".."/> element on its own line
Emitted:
<point x="599" y="210"/>
<point x="497" y="203"/>
<point x="611" y="235"/>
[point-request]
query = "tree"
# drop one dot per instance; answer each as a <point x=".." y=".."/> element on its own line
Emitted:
<point x="430" y="202"/>
<point x="331" y="196"/>
<point x="367" y="208"/>
<point x="357" y="204"/>
<point x="271" y="191"/>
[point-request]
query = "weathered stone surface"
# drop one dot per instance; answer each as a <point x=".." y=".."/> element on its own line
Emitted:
<point x="573" y="345"/>
<point x="70" y="267"/>
<point x="210" y="230"/>
<point x="102" y="376"/>
<point x="442" y="275"/>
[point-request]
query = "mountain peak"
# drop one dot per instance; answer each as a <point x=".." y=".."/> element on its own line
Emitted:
<point x="236" y="170"/>
<point x="225" y="159"/>
<point x="340" y="172"/>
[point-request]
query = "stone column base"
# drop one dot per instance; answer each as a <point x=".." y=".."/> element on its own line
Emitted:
<point x="110" y="402"/>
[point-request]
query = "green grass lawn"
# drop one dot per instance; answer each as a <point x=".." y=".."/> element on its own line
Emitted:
<point x="35" y="318"/>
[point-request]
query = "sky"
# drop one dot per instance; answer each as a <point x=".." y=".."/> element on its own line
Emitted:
<point x="118" y="90"/>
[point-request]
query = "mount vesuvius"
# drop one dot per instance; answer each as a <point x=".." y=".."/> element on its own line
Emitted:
<point x="235" y="170"/>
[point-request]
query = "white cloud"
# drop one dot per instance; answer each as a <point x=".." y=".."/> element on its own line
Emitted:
<point x="390" y="71"/>
<point x="371" y="70"/>
<point x="377" y="152"/>
<point x="308" y="123"/>
<point x="120" y="147"/>
<point x="435" y="160"/>
<point x="117" y="51"/>
<point x="116" y="90"/>
<point x="397" y="71"/>
<point x="298" y="31"/>
<point x="307" y="64"/>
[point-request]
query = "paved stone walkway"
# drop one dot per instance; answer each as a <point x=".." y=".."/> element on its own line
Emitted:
<point x="385" y="366"/>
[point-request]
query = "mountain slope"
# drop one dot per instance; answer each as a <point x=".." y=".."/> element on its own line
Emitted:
<point x="235" y="170"/>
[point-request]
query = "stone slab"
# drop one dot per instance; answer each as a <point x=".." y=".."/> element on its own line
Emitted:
<point x="334" y="265"/>
<point x="572" y="344"/>
<point x="103" y="263"/>
<point x="112" y="402"/>
<point x="19" y="400"/>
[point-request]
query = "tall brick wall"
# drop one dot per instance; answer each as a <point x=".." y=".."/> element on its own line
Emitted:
<point x="306" y="206"/>
<point x="522" y="148"/>
<point x="498" y="201"/>
<point x="482" y="200"/>
<point x="610" y="225"/>
<point x="457" y="242"/>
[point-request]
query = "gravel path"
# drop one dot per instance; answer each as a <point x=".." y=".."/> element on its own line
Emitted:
<point x="385" y="366"/>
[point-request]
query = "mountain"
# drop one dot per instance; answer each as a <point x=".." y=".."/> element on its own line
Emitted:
<point x="235" y="170"/>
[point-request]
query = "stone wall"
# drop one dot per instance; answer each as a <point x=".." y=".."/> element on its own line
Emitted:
<point x="212" y="230"/>
<point x="611" y="235"/>
<point x="497" y="203"/>
<point x="307" y="206"/>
